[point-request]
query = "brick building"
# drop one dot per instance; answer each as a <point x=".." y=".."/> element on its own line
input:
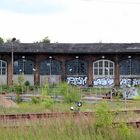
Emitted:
<point x="92" y="64"/>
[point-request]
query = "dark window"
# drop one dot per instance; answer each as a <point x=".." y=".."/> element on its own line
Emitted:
<point x="95" y="71"/>
<point x="130" y="67"/>
<point x="76" y="67"/>
<point x="50" y="67"/>
<point x="100" y="71"/>
<point x="100" y="63"/>
<point x="3" y="67"/>
<point x="23" y="65"/>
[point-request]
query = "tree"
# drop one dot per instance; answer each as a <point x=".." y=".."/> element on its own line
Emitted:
<point x="46" y="40"/>
<point x="1" y="40"/>
<point x="12" y="40"/>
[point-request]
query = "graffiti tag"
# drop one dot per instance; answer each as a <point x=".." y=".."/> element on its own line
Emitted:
<point x="103" y="82"/>
<point x="130" y="93"/>
<point x="129" y="82"/>
<point x="82" y="81"/>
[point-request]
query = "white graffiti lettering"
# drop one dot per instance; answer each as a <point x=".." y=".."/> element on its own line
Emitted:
<point x="82" y="81"/>
<point x="103" y="82"/>
<point x="129" y="82"/>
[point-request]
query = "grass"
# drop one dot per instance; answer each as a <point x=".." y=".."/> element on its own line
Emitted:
<point x="69" y="128"/>
<point x="25" y="107"/>
<point x="98" y="127"/>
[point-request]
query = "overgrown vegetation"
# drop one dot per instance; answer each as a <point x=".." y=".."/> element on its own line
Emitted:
<point x="98" y="127"/>
<point x="71" y="93"/>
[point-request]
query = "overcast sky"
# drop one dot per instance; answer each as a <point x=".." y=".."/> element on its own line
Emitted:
<point x="71" y="21"/>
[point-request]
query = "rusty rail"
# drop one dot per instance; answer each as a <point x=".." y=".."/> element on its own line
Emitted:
<point x="43" y="115"/>
<point x="57" y="114"/>
<point x="30" y="116"/>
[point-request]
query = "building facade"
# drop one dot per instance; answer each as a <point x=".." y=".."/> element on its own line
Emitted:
<point x="93" y="64"/>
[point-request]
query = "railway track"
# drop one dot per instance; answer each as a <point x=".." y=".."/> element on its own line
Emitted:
<point x="41" y="116"/>
<point x="57" y="114"/>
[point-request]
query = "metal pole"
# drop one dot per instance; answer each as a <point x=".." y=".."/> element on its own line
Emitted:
<point x="12" y="55"/>
<point x="125" y="99"/>
<point x="130" y="69"/>
<point x="130" y="63"/>
<point x="12" y="62"/>
<point x="34" y="70"/>
<point x="23" y="57"/>
<point x="77" y="57"/>
<point x="50" y="57"/>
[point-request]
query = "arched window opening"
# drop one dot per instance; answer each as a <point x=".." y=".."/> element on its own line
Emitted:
<point x="50" y="67"/>
<point x="103" y="73"/>
<point x="77" y="71"/>
<point x="103" y="68"/>
<point x="23" y="66"/>
<point x="76" y="67"/>
<point x="130" y="67"/>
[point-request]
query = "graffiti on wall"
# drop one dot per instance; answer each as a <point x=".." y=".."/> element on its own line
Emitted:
<point x="103" y="81"/>
<point x="129" y="82"/>
<point x="80" y="80"/>
<point x="130" y="93"/>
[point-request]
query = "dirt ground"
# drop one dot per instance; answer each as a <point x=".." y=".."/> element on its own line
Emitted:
<point x="6" y="103"/>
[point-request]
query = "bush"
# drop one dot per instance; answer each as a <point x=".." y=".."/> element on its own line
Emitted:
<point x="125" y="132"/>
<point x="45" y="89"/>
<point x="27" y="83"/>
<point x="47" y="101"/>
<point x="104" y="118"/>
<point x="18" y="98"/>
<point x="70" y="93"/>
<point x="35" y="100"/>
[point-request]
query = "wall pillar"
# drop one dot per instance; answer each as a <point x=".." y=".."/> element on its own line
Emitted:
<point x="37" y="72"/>
<point x="117" y="72"/>
<point x="63" y="74"/>
<point x="90" y="73"/>
<point x="9" y="71"/>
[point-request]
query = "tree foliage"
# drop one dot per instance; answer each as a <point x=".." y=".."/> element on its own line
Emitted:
<point x="45" y="40"/>
<point x="9" y="40"/>
<point x="1" y="40"/>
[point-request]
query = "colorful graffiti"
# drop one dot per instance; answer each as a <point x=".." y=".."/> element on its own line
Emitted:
<point x="129" y="82"/>
<point x="103" y="81"/>
<point x="80" y="80"/>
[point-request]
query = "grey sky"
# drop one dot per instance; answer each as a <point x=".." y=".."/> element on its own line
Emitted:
<point x="78" y="21"/>
<point x="31" y="6"/>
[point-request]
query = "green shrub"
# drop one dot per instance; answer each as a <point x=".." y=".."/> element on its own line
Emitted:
<point x="35" y="100"/>
<point x="18" y="98"/>
<point x="104" y="117"/>
<point x="21" y="80"/>
<point x="70" y="93"/>
<point x="27" y="83"/>
<point x="125" y="132"/>
<point x="47" y="102"/>
<point x="45" y="89"/>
